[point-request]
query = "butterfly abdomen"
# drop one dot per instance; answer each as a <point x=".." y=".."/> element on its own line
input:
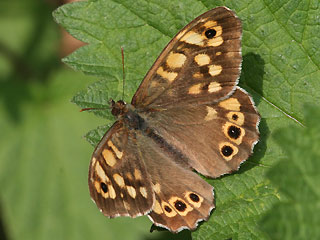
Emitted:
<point x="166" y="147"/>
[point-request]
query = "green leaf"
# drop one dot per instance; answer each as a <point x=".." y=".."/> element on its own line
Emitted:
<point x="93" y="136"/>
<point x="297" y="177"/>
<point x="280" y="70"/>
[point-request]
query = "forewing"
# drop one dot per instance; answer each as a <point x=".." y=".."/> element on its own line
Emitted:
<point x="118" y="181"/>
<point x="201" y="63"/>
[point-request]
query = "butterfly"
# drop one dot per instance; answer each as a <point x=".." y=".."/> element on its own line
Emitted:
<point x="187" y="114"/>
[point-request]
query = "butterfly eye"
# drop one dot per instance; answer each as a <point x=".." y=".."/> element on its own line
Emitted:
<point x="104" y="187"/>
<point x="211" y="33"/>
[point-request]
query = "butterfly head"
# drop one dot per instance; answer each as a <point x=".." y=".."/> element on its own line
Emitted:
<point x="117" y="108"/>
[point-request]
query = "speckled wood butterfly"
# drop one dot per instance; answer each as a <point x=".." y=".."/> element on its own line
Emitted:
<point x="188" y="113"/>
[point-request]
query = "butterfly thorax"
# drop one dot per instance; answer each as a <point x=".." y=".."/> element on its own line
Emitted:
<point x="118" y="108"/>
<point x="128" y="114"/>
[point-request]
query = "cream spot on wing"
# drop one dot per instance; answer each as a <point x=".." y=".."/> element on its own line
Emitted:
<point x="121" y="195"/>
<point x="193" y="38"/>
<point x="157" y="208"/>
<point x="143" y="192"/>
<point x="230" y="104"/>
<point x="218" y="30"/>
<point x="97" y="186"/>
<point x="119" y="180"/>
<point x="156" y="187"/>
<point x="137" y="174"/>
<point x="214" y="87"/>
<point x="197" y="75"/>
<point x="202" y="59"/>
<point x="93" y="161"/>
<point x="212" y="114"/>
<point x="112" y="192"/>
<point x="195" y="89"/>
<point x="101" y="173"/>
<point x="214" y="42"/>
<point x="126" y="205"/>
<point x="236" y="117"/>
<point x="215" y="70"/>
<point x="170" y="76"/>
<point x="109" y="157"/>
<point x="233" y="54"/>
<point x="131" y="191"/>
<point x="115" y="149"/>
<point x="235" y="150"/>
<point x="176" y="60"/>
<point x="218" y="53"/>
<point x="210" y="24"/>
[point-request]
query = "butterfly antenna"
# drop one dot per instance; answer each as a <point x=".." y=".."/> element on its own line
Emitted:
<point x="123" y="73"/>
<point x="88" y="109"/>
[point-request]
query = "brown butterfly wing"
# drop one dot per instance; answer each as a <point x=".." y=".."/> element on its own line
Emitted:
<point x="182" y="197"/>
<point x="215" y="138"/>
<point x="201" y="63"/>
<point x="118" y="180"/>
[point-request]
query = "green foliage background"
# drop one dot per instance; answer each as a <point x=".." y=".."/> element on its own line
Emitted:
<point x="44" y="160"/>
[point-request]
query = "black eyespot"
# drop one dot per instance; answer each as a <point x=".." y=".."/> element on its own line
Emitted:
<point x="226" y="151"/>
<point x="235" y="117"/>
<point x="194" y="197"/>
<point x="234" y="132"/>
<point x="180" y="206"/>
<point x="104" y="187"/>
<point x="210" y="33"/>
<point x="168" y="209"/>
